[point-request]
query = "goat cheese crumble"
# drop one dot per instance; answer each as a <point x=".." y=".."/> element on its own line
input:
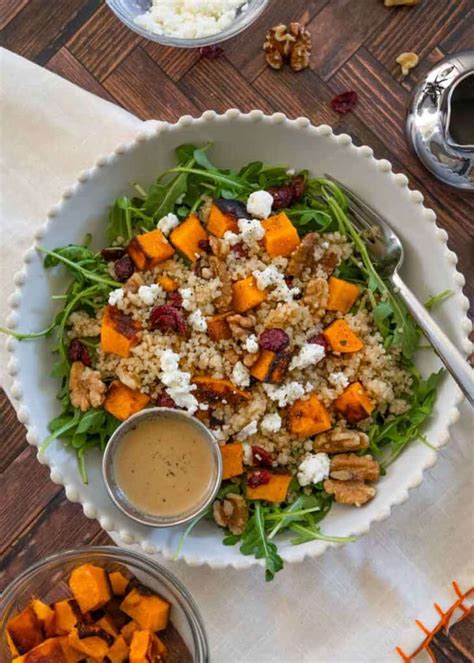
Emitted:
<point x="251" y="231"/>
<point x="247" y="431"/>
<point x="288" y="393"/>
<point x="271" y="423"/>
<point x="309" y="355"/>
<point x="271" y="277"/>
<point x="187" y="296"/>
<point x="116" y="296"/>
<point x="148" y="293"/>
<point x="178" y="383"/>
<point x="248" y="455"/>
<point x="240" y="375"/>
<point x="251" y="344"/>
<point x="259" y="204"/>
<point x="198" y="321"/>
<point x="167" y="223"/>
<point x="313" y="469"/>
<point x="339" y="379"/>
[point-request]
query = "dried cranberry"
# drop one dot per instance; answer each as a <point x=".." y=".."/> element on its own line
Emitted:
<point x="345" y="102"/>
<point x="282" y="195"/>
<point x="318" y="339"/>
<point x="124" y="268"/>
<point x="205" y="245"/>
<point x="240" y="250"/>
<point x="175" y="299"/>
<point x="232" y="208"/>
<point x="167" y="318"/>
<point x="164" y="400"/>
<point x="274" y="339"/>
<point x="289" y="280"/>
<point x="112" y="253"/>
<point x="211" y="52"/>
<point x="259" y="478"/>
<point x="78" y="352"/>
<point x="298" y="183"/>
<point x="261" y="457"/>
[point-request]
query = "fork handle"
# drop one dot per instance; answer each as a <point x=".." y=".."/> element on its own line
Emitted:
<point x="446" y="350"/>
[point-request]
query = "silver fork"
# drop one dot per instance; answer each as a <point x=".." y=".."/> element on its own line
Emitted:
<point x="387" y="254"/>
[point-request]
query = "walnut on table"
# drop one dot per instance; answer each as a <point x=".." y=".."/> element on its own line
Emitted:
<point x="288" y="44"/>
<point x="231" y="512"/>
<point x="340" y="440"/>
<point x="86" y="388"/>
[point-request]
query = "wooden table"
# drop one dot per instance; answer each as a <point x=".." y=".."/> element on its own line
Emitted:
<point x="355" y="44"/>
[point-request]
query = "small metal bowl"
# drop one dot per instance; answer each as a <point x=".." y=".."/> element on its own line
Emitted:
<point x="120" y="498"/>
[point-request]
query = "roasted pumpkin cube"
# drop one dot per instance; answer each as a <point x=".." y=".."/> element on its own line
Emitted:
<point x="354" y="403"/>
<point x="147" y="609"/>
<point x="217" y="390"/>
<point x="25" y="630"/>
<point x="342" y="295"/>
<point x="270" y="366"/>
<point x="45" y="615"/>
<point x="66" y="616"/>
<point x="341" y="338"/>
<point x="275" y="490"/>
<point x="90" y="587"/>
<point x="119" y="332"/>
<point x="186" y="237"/>
<point x="128" y="630"/>
<point x="107" y="624"/>
<point x="219" y="223"/>
<point x="119" y="651"/>
<point x="122" y="402"/>
<point x="48" y="651"/>
<point x="167" y="283"/>
<point x="308" y="417"/>
<point x="246" y="295"/>
<point x="281" y="237"/>
<point x="232" y="460"/>
<point x="218" y="328"/>
<point x="141" y="647"/>
<point x="119" y="582"/>
<point x="90" y="640"/>
<point x="149" y="249"/>
<point x="71" y="655"/>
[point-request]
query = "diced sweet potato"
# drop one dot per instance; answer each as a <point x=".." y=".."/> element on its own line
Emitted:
<point x="71" y="655"/>
<point x="218" y="328"/>
<point x="119" y="651"/>
<point x="342" y="295"/>
<point x="90" y="587"/>
<point x="219" y="223"/>
<point x="122" y="402"/>
<point x="186" y="237"/>
<point x="308" y="417"/>
<point x="273" y="491"/>
<point x="270" y="366"/>
<point x="119" y="582"/>
<point x="119" y="332"/>
<point x="49" y="651"/>
<point x="45" y="615"/>
<point x="25" y="630"/>
<point x="354" y="403"/>
<point x="246" y="295"/>
<point x="128" y="630"/>
<point x="218" y="390"/>
<point x="66" y="616"/>
<point x="232" y="460"/>
<point x="107" y="624"/>
<point x="112" y="609"/>
<point x="341" y="338"/>
<point x="149" y="250"/>
<point x="91" y="641"/>
<point x="141" y="647"/>
<point x="149" y="610"/>
<point x="11" y="645"/>
<point x="167" y="283"/>
<point x="281" y="237"/>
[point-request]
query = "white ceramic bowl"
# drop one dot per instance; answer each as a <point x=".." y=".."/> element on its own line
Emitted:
<point x="430" y="267"/>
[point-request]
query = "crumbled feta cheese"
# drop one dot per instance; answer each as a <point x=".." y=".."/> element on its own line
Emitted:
<point x="251" y="231"/>
<point x="178" y="383"/>
<point x="148" y="293"/>
<point x="116" y="296"/>
<point x="240" y="375"/>
<point x="198" y="321"/>
<point x="286" y="394"/>
<point x="309" y="355"/>
<point x="313" y="469"/>
<point x="259" y="204"/>
<point x="167" y="223"/>
<point x="247" y="431"/>
<point x="251" y="344"/>
<point x="188" y="298"/>
<point x="190" y="19"/>
<point x="271" y="423"/>
<point x="339" y="379"/>
<point x="231" y="238"/>
<point x="248" y="455"/>
<point x="271" y="277"/>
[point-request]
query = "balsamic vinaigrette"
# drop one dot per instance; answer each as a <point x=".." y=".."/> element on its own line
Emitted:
<point x="164" y="470"/>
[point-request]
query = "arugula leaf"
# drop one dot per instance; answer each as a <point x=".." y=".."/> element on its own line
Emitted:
<point x="437" y="299"/>
<point x="255" y="542"/>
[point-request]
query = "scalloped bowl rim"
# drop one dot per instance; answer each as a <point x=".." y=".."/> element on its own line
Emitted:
<point x="290" y="554"/>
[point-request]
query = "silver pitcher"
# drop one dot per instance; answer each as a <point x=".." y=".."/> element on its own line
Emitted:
<point x="440" y="120"/>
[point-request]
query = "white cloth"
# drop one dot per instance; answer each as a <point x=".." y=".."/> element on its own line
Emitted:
<point x="353" y="604"/>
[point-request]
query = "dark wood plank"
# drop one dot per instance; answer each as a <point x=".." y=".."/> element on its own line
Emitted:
<point x="8" y="11"/>
<point x="12" y="433"/>
<point x="40" y="29"/>
<point x="461" y="37"/>
<point x="175" y="62"/>
<point x="102" y="43"/>
<point x="65" y="64"/>
<point x="143" y="88"/>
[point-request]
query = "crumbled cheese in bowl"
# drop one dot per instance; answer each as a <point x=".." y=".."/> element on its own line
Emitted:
<point x="190" y="19"/>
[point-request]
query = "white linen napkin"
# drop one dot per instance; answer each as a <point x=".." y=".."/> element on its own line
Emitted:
<point x="355" y="603"/>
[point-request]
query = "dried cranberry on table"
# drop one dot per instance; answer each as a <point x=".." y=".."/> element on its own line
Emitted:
<point x="259" y="478"/>
<point x="211" y="52"/>
<point x="345" y="102"/>
<point x="205" y="245"/>
<point x="261" y="457"/>
<point x="77" y="351"/>
<point x="274" y="340"/>
<point x="124" y="268"/>
<point x="174" y="299"/>
<point x="318" y="339"/>
<point x="166" y="318"/>
<point x="164" y="400"/>
<point x="112" y="253"/>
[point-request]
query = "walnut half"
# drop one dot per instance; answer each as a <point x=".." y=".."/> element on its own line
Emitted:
<point x="340" y="440"/>
<point x="354" y="493"/>
<point x="349" y="467"/>
<point x="231" y="512"/>
<point x="86" y="387"/>
<point x="291" y="44"/>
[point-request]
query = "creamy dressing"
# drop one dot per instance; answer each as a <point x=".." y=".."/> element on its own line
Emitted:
<point x="164" y="467"/>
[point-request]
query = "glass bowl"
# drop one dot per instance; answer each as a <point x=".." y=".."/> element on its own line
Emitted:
<point x="128" y="10"/>
<point x="47" y="580"/>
